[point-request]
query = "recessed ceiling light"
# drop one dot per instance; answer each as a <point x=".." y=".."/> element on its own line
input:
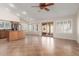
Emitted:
<point x="8" y="9"/>
<point x="12" y="5"/>
<point x="24" y="12"/>
<point x="18" y="14"/>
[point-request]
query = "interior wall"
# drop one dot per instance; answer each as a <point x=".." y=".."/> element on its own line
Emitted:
<point x="78" y="27"/>
<point x="75" y="27"/>
<point x="71" y="36"/>
<point x="61" y="35"/>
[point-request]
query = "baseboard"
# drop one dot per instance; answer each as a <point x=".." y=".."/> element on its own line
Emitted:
<point x="62" y="38"/>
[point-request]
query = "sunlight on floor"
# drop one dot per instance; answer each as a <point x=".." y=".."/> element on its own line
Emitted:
<point x="48" y="43"/>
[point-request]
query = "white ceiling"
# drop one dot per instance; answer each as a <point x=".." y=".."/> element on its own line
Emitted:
<point x="57" y="10"/>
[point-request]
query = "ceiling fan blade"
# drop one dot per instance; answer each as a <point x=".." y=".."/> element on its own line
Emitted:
<point x="35" y="6"/>
<point x="44" y="6"/>
<point x="49" y="4"/>
<point x="46" y="9"/>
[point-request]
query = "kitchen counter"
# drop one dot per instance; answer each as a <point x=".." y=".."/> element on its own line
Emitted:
<point x="15" y="35"/>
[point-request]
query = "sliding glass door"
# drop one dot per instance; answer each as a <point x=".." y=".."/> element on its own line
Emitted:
<point x="47" y="28"/>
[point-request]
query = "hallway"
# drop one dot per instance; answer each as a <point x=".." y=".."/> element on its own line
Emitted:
<point x="39" y="46"/>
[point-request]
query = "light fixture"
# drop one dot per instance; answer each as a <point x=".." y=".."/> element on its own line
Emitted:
<point x="7" y="9"/>
<point x="18" y="14"/>
<point x="12" y="5"/>
<point x="24" y="13"/>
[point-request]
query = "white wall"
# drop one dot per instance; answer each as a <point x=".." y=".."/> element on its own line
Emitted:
<point x="62" y="35"/>
<point x="5" y="14"/>
<point x="75" y="27"/>
<point x="71" y="36"/>
<point x="78" y="27"/>
<point x="58" y="34"/>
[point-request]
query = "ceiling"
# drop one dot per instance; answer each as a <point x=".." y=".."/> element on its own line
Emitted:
<point x="57" y="10"/>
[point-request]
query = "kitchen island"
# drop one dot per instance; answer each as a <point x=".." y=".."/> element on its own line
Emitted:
<point x="15" y="35"/>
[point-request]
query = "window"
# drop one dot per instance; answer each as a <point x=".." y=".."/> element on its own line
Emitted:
<point x="51" y="28"/>
<point x="1" y="25"/>
<point x="24" y="27"/>
<point x="5" y="25"/>
<point x="64" y="26"/>
<point x="29" y="27"/>
<point x="35" y="27"/>
<point x="47" y="28"/>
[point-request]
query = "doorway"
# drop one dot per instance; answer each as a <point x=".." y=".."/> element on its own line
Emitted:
<point x="47" y="29"/>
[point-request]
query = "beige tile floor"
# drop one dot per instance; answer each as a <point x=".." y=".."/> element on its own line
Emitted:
<point x="39" y="46"/>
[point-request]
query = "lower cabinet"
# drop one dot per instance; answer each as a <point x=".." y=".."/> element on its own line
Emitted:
<point x="12" y="35"/>
<point x="3" y="34"/>
<point x="16" y="35"/>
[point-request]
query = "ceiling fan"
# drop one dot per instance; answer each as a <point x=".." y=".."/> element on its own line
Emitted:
<point x="44" y="6"/>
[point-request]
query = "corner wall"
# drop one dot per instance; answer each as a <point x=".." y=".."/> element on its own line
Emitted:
<point x="78" y="27"/>
<point x="71" y="36"/>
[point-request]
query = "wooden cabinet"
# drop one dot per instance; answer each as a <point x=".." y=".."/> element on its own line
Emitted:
<point x="11" y="35"/>
<point x="3" y="34"/>
<point x="21" y="35"/>
<point x="16" y="35"/>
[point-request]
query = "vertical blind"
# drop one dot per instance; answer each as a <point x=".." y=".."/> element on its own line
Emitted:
<point x="64" y="26"/>
<point x="5" y="25"/>
<point x="29" y="27"/>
